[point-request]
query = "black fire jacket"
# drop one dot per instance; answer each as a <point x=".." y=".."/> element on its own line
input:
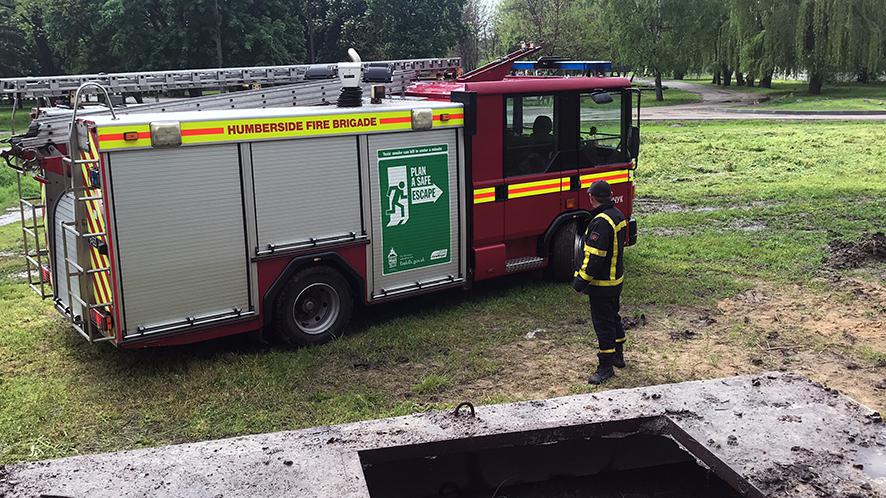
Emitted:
<point x="602" y="270"/>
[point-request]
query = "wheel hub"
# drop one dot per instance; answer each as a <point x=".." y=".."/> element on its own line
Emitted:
<point x="316" y="308"/>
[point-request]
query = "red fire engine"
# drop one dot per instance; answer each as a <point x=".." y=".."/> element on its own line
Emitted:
<point x="160" y="226"/>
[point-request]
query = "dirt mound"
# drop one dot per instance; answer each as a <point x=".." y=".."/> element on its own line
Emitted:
<point x="844" y="255"/>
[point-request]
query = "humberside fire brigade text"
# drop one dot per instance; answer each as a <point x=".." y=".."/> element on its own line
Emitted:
<point x="307" y="125"/>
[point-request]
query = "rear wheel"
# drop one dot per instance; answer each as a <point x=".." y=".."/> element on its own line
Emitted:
<point x="565" y="252"/>
<point x="314" y="307"/>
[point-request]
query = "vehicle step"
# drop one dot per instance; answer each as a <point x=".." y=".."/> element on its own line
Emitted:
<point x="521" y="264"/>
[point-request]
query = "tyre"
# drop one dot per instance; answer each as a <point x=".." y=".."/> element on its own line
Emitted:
<point x="565" y="252"/>
<point x="314" y="307"/>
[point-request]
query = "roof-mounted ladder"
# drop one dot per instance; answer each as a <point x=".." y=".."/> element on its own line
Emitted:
<point x="499" y="68"/>
<point x="161" y="81"/>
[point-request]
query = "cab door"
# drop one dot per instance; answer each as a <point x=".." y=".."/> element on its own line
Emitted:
<point x="602" y="147"/>
<point x="539" y="158"/>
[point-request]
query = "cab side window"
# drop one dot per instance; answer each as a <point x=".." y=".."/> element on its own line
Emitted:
<point x="531" y="133"/>
<point x="600" y="131"/>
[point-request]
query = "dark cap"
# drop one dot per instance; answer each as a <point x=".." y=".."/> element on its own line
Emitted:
<point x="601" y="190"/>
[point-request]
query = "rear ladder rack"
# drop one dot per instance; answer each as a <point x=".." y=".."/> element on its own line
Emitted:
<point x="82" y="268"/>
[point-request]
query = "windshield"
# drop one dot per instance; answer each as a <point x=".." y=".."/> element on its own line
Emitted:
<point x="600" y="129"/>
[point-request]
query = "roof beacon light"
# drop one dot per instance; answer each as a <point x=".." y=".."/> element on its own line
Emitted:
<point x="349" y="73"/>
<point x="589" y="67"/>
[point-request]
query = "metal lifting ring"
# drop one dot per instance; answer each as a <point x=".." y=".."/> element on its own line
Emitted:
<point x="463" y="404"/>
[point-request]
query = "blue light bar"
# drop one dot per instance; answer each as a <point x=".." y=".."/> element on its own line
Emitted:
<point x="584" y="66"/>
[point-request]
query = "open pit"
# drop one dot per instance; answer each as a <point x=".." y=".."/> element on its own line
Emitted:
<point x="637" y="457"/>
<point x="750" y="436"/>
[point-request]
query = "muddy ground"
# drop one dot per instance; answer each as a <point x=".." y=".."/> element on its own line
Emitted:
<point x="832" y="330"/>
<point x="787" y="328"/>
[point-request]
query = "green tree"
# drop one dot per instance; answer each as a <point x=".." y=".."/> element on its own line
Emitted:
<point x="15" y="50"/>
<point x="160" y="34"/>
<point x="324" y="25"/>
<point x="659" y="35"/>
<point x="567" y="28"/>
<point x="395" y="29"/>
<point x="835" y="36"/>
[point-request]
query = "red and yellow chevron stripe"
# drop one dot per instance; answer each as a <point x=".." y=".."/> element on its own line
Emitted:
<point x="96" y="224"/>
<point x="552" y="185"/>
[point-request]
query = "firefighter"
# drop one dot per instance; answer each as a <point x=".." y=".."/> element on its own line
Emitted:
<point x="600" y="276"/>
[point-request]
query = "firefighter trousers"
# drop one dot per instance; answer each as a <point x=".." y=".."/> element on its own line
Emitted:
<point x="607" y="322"/>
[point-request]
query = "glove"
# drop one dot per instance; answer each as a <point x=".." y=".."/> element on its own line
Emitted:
<point x="579" y="285"/>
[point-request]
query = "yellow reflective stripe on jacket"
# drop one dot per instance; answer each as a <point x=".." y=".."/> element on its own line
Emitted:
<point x="607" y="350"/>
<point x="600" y="283"/>
<point x="584" y="264"/>
<point x="594" y="251"/>
<point x="615" y="230"/>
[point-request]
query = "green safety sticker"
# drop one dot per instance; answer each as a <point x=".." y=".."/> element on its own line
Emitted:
<point x="415" y="208"/>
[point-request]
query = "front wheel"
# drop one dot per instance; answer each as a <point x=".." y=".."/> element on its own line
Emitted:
<point x="314" y="307"/>
<point x="565" y="252"/>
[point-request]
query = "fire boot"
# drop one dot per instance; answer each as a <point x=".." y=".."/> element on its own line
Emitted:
<point x="604" y="369"/>
<point x="619" y="357"/>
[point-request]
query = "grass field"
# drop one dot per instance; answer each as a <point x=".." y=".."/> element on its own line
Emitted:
<point x="854" y="97"/>
<point x="22" y="118"/>
<point x="778" y="86"/>
<point x="792" y="95"/>
<point x="8" y="189"/>
<point x="672" y="96"/>
<point x="727" y="278"/>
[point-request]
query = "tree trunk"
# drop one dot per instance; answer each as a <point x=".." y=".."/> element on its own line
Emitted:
<point x="312" y="52"/>
<point x="727" y="76"/>
<point x="45" y="55"/>
<point x="739" y="78"/>
<point x="863" y="76"/>
<point x="815" y="82"/>
<point x="659" y="94"/>
<point x="766" y="80"/>
<point x="679" y="75"/>
<point x="717" y="78"/>
<point x="749" y="81"/>
<point x="218" y="29"/>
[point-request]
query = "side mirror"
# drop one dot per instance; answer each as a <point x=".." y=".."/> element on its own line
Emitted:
<point x="634" y="142"/>
<point x="601" y="98"/>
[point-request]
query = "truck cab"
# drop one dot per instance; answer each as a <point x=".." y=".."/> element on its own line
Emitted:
<point x="535" y="144"/>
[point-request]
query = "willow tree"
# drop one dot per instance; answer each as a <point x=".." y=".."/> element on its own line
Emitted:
<point x="839" y="36"/>
<point x="859" y="40"/>
<point x="764" y="35"/>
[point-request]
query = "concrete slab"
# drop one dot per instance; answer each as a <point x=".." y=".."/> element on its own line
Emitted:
<point x="783" y="434"/>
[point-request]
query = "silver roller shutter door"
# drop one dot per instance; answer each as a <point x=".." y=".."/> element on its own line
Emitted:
<point x="64" y="212"/>
<point x="306" y="189"/>
<point x="179" y="234"/>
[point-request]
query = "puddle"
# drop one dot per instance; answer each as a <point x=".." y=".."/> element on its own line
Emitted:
<point x="653" y="206"/>
<point x="874" y="461"/>
<point x="739" y="225"/>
